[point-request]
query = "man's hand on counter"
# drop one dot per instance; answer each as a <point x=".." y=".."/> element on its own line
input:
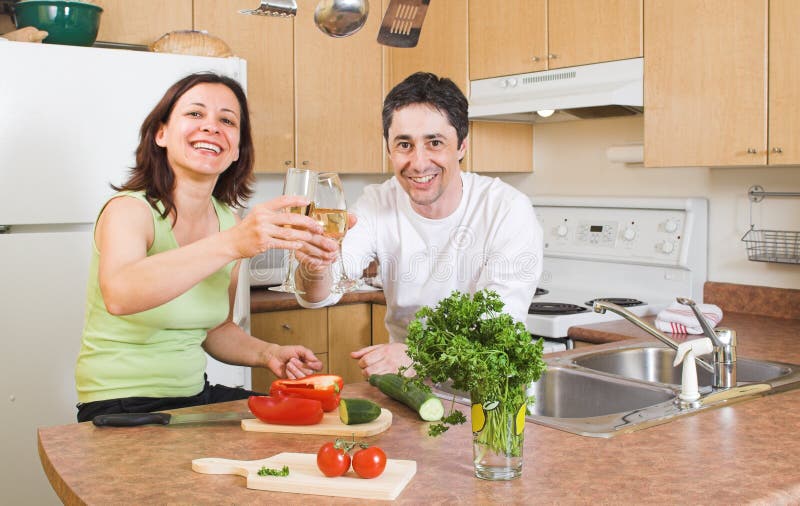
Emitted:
<point x="382" y="359"/>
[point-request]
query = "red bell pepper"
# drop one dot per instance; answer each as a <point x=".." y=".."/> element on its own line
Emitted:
<point x="325" y="388"/>
<point x="285" y="410"/>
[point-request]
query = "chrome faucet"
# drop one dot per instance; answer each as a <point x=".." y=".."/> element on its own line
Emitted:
<point x="723" y="367"/>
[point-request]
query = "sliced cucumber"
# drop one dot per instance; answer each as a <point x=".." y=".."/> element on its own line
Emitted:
<point x="354" y="411"/>
<point x="428" y="406"/>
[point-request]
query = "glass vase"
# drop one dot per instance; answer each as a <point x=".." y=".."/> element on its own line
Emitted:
<point x="498" y="434"/>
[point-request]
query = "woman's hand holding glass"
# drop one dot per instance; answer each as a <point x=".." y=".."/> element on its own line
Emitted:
<point x="269" y="225"/>
<point x="302" y="182"/>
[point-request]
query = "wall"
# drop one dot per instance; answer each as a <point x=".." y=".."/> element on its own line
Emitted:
<point x="569" y="159"/>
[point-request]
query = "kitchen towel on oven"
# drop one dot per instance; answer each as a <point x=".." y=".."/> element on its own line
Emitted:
<point x="680" y="319"/>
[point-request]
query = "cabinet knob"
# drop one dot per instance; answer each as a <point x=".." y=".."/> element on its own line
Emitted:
<point x="305" y="162"/>
<point x="777" y="150"/>
<point x="286" y="326"/>
<point x="552" y="56"/>
<point x="752" y="151"/>
<point x="287" y="162"/>
<point x="534" y="59"/>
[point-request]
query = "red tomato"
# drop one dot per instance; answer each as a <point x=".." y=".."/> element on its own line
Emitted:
<point x="369" y="462"/>
<point x="285" y="410"/>
<point x="333" y="460"/>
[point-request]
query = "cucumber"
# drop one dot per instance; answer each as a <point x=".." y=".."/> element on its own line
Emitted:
<point x="427" y="405"/>
<point x="353" y="411"/>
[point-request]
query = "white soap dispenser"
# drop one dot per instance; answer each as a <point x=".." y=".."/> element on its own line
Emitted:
<point x="686" y="352"/>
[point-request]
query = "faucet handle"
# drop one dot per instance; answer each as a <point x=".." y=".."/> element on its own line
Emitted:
<point x="708" y="330"/>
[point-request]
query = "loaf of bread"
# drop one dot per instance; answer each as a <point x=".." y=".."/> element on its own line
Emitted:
<point x="27" y="34"/>
<point x="192" y="42"/>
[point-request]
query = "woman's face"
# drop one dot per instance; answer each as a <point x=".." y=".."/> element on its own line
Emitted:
<point x="201" y="136"/>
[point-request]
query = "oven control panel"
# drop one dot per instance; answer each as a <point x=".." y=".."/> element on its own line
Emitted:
<point x="650" y="236"/>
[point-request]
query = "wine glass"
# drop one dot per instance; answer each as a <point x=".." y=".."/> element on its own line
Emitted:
<point x="297" y="182"/>
<point x="330" y="211"/>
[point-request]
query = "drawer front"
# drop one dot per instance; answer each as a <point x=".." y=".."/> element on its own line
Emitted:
<point x="307" y="327"/>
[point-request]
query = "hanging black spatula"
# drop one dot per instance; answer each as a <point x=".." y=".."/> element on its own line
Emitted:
<point x="402" y="23"/>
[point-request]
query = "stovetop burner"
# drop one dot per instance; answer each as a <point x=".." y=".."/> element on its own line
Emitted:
<point x="555" y="308"/>
<point x="618" y="301"/>
<point x="540" y="291"/>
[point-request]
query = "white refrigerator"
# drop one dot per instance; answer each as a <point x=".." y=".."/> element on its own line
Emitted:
<point x="69" y="126"/>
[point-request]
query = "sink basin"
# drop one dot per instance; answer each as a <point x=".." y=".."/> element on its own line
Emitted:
<point x="654" y="364"/>
<point x="570" y="393"/>
<point x="608" y="392"/>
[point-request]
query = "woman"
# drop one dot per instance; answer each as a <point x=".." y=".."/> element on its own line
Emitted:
<point x="166" y="260"/>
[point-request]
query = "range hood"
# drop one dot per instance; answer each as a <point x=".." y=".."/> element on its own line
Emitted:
<point x="589" y="91"/>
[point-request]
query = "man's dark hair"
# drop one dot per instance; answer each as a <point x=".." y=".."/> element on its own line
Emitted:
<point x="425" y="88"/>
<point x="152" y="172"/>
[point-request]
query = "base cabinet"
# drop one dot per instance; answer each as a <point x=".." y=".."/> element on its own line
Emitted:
<point x="331" y="333"/>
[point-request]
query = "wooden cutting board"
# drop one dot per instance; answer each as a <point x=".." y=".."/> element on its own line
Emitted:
<point x="330" y="425"/>
<point x="305" y="478"/>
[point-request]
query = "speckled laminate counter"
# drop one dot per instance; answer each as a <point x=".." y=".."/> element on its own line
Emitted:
<point x="746" y="453"/>
<point x="263" y="300"/>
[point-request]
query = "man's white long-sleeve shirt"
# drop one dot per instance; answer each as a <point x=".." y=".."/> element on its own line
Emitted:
<point x="492" y="240"/>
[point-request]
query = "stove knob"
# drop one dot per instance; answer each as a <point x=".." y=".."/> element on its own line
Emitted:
<point x="671" y="226"/>
<point x="629" y="234"/>
<point x="561" y="231"/>
<point x="667" y="247"/>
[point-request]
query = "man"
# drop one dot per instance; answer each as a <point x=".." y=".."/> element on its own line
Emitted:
<point x="432" y="228"/>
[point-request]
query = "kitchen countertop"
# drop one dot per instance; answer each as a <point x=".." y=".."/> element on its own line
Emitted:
<point x="263" y="300"/>
<point x="748" y="452"/>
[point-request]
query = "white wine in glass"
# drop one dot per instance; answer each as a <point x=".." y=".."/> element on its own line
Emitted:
<point x="297" y="182"/>
<point x="330" y="211"/>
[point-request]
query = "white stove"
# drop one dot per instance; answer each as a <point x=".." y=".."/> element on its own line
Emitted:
<point x="648" y="250"/>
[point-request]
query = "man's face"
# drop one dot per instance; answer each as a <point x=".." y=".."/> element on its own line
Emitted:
<point x="424" y="151"/>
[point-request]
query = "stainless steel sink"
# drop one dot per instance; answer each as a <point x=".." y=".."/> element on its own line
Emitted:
<point x="571" y="393"/>
<point x="604" y="393"/>
<point x="654" y="364"/>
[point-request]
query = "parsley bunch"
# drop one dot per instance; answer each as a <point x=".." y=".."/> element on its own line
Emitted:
<point x="469" y="340"/>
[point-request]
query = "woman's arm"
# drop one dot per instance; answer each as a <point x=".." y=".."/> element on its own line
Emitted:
<point x="229" y="343"/>
<point x="132" y="282"/>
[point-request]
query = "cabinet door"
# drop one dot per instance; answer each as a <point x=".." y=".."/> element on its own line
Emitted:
<point x="784" y="74"/>
<point x="501" y="147"/>
<point x="705" y="83"/>
<point x="380" y="334"/>
<point x="267" y="45"/>
<point x="508" y="37"/>
<point x="142" y="21"/>
<point x="592" y="31"/>
<point x="339" y="89"/>
<point x="349" y="329"/>
<point x="308" y="327"/>
<point x="442" y="47"/>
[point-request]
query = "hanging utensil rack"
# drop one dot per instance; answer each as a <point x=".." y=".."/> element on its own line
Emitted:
<point x="776" y="246"/>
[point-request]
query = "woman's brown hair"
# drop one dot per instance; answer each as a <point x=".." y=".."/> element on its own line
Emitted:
<point x="152" y="173"/>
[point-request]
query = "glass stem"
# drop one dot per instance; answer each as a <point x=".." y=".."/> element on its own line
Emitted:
<point x="343" y="275"/>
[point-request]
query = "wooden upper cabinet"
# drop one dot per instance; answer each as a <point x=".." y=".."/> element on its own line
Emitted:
<point x="142" y="21"/>
<point x="339" y="94"/>
<point x="507" y="37"/>
<point x="705" y="90"/>
<point x="592" y="31"/>
<point x="442" y="47"/>
<point x="501" y="147"/>
<point x="784" y="74"/>
<point x="267" y="44"/>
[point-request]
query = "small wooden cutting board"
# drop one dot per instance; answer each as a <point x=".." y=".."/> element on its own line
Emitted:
<point x="305" y="478"/>
<point x="330" y="425"/>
